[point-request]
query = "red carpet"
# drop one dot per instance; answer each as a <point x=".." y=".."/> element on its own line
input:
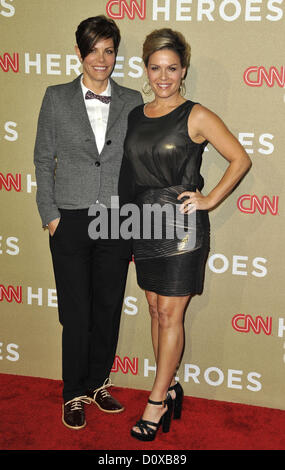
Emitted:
<point x="30" y="411"/>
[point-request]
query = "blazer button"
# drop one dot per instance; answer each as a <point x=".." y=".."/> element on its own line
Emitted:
<point x="108" y="142"/>
<point x="97" y="163"/>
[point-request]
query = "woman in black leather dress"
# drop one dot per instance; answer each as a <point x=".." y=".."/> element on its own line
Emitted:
<point x="161" y="165"/>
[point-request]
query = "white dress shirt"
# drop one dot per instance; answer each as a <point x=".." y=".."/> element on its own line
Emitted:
<point x="98" y="113"/>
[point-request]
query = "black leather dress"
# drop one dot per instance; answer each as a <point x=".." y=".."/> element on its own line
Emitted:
<point x="161" y="161"/>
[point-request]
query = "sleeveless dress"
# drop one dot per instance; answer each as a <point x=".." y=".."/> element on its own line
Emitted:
<point x="161" y="161"/>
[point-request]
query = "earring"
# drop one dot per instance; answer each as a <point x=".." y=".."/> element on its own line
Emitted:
<point x="182" y="88"/>
<point x="146" y="88"/>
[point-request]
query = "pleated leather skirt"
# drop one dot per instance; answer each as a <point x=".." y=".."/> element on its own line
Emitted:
<point x="172" y="249"/>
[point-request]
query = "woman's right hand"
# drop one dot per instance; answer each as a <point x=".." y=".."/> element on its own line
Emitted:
<point x="52" y="226"/>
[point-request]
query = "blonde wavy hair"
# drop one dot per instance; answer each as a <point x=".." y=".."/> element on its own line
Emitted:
<point x="166" y="38"/>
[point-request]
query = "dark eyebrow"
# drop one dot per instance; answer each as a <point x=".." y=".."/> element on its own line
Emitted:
<point x="167" y="66"/>
<point x="106" y="48"/>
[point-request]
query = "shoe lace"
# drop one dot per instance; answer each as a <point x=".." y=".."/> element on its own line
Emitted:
<point x="103" y="390"/>
<point x="77" y="403"/>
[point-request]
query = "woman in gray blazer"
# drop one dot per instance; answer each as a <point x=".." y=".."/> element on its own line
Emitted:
<point x="78" y="152"/>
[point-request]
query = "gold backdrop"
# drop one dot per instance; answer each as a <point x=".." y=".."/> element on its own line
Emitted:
<point x="234" y="331"/>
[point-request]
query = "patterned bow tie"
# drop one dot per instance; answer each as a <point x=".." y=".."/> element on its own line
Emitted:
<point x="90" y="96"/>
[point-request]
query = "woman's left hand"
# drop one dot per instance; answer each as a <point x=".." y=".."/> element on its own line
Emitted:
<point x="195" y="201"/>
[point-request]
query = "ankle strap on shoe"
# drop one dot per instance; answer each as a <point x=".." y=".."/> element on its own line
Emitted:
<point x="163" y="402"/>
<point x="172" y="388"/>
<point x="175" y="386"/>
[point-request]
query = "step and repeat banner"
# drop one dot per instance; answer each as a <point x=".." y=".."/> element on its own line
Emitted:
<point x="234" y="331"/>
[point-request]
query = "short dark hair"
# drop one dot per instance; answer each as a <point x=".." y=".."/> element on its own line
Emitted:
<point x="93" y="29"/>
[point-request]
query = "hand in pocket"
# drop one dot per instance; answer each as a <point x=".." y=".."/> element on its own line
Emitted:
<point x="52" y="226"/>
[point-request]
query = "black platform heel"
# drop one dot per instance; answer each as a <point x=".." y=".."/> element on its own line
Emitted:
<point x="148" y="433"/>
<point x="177" y="401"/>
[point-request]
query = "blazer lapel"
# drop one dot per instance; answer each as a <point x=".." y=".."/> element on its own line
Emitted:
<point x="80" y="112"/>
<point x="116" y="106"/>
<point x="79" y="109"/>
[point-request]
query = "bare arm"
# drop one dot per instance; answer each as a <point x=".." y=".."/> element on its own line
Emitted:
<point x="203" y="125"/>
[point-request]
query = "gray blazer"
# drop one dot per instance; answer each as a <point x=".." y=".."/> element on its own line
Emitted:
<point x="70" y="173"/>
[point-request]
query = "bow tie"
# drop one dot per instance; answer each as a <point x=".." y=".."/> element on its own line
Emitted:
<point x="90" y="96"/>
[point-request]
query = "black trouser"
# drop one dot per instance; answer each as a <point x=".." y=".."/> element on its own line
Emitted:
<point x="90" y="280"/>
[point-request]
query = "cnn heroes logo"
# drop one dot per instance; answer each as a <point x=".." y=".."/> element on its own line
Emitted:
<point x="250" y="204"/>
<point x="197" y="10"/>
<point x="8" y="131"/>
<point x="246" y="203"/>
<point x="7" y="9"/>
<point x="214" y="376"/>
<point x="9" y="245"/>
<point x="9" y="352"/>
<point x="245" y="323"/>
<point x="257" y="76"/>
<point x="54" y="64"/>
<point x="238" y="265"/>
<point x="225" y="10"/>
<point x="252" y="142"/>
<point x="48" y="297"/>
<point x="218" y="263"/>
<point x="184" y="10"/>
